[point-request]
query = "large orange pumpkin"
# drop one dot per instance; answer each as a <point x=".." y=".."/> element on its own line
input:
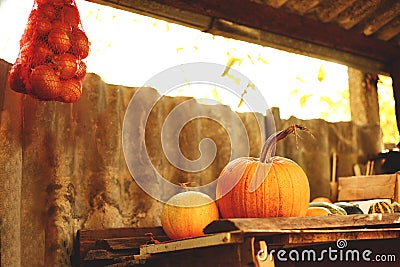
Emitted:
<point x="186" y="214"/>
<point x="265" y="187"/>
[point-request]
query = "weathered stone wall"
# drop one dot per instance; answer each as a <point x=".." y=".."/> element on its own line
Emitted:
<point x="10" y="172"/>
<point x="62" y="166"/>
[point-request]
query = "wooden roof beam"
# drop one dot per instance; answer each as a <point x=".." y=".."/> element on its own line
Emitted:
<point x="269" y="19"/>
<point x="329" y="41"/>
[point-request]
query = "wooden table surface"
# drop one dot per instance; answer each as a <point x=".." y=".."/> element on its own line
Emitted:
<point x="237" y="242"/>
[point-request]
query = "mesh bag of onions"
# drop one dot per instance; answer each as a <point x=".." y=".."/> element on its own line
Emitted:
<point x="53" y="46"/>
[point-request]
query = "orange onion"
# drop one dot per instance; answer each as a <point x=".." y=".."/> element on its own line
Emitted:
<point x="41" y="54"/>
<point x="71" y="91"/>
<point x="42" y="2"/>
<point x="54" y="2"/>
<point x="37" y="27"/>
<point x="70" y="15"/>
<point x="58" y="24"/>
<point x="47" y="10"/>
<point x="58" y="2"/>
<point x="45" y="83"/>
<point x="25" y="52"/>
<point x="81" y="71"/>
<point x="35" y="53"/>
<point x="43" y="26"/>
<point x="66" y="65"/>
<point x="59" y="40"/>
<point x="79" y="44"/>
<point x="15" y="78"/>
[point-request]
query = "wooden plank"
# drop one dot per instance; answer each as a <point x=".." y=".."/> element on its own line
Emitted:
<point x="366" y="187"/>
<point x="390" y="30"/>
<point x="274" y="3"/>
<point x="100" y="254"/>
<point x="115" y="239"/>
<point x="280" y="225"/>
<point x="107" y="258"/>
<point x="314" y="237"/>
<point x="389" y="11"/>
<point x="235" y="254"/>
<point x="395" y="41"/>
<point x="131" y="261"/>
<point x="356" y="13"/>
<point x="191" y="249"/>
<point x="301" y="7"/>
<point x="193" y="243"/>
<point x="329" y="10"/>
<point x="217" y="242"/>
<point x="123" y="243"/>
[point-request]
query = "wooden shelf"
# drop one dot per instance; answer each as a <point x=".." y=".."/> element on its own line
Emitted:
<point x="235" y="242"/>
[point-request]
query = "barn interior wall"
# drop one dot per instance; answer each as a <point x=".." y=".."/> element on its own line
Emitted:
<point x="63" y="165"/>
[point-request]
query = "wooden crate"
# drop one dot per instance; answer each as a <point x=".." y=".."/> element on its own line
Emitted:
<point x="355" y="188"/>
<point x="237" y="242"/>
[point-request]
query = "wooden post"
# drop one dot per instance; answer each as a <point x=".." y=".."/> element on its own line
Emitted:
<point x="363" y="99"/>
<point x="364" y="108"/>
<point x="395" y="74"/>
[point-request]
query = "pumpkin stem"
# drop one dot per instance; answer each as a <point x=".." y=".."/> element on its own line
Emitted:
<point x="184" y="185"/>
<point x="266" y="153"/>
<point x="152" y="239"/>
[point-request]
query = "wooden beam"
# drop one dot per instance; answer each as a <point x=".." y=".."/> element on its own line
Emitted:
<point x="390" y="30"/>
<point x="299" y="224"/>
<point x="309" y="237"/>
<point x="301" y="7"/>
<point x="193" y="243"/>
<point x="329" y="10"/>
<point x="364" y="106"/>
<point x="270" y="27"/>
<point x="153" y="9"/>
<point x="356" y="12"/>
<point x="269" y="19"/>
<point x="274" y="3"/>
<point x="235" y="31"/>
<point x="387" y="13"/>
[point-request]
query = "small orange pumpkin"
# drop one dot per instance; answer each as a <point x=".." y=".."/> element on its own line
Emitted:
<point x="265" y="187"/>
<point x="187" y="213"/>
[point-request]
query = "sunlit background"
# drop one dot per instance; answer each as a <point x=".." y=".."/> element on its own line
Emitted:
<point x="128" y="49"/>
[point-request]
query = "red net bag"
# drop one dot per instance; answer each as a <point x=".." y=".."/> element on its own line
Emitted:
<point x="50" y="63"/>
